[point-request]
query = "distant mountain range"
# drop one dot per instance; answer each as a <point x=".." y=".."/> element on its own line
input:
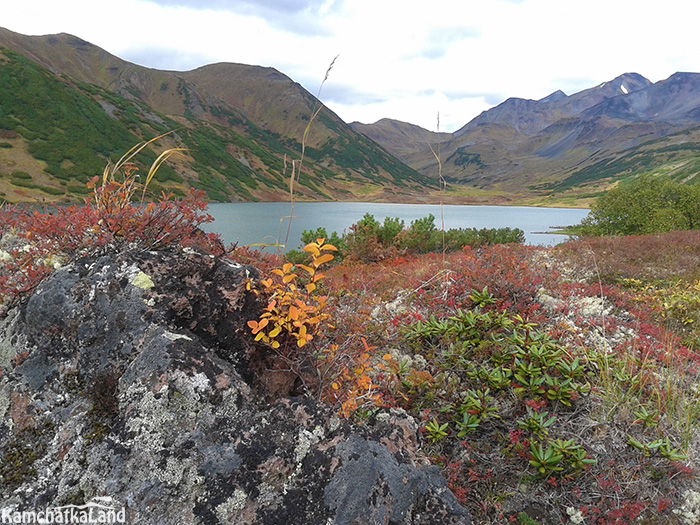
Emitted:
<point x="66" y="106"/>
<point x="563" y="148"/>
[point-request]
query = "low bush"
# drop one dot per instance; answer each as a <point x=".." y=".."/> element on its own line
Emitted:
<point x="369" y="240"/>
<point x="37" y="241"/>
<point x="644" y="206"/>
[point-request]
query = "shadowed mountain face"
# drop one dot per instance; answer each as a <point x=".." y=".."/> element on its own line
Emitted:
<point x="69" y="106"/>
<point x="567" y="145"/>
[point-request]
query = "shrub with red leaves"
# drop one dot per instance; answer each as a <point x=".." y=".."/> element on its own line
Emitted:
<point x="35" y="242"/>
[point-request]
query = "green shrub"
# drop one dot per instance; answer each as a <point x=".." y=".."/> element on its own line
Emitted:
<point x="370" y="240"/>
<point x="644" y="206"/>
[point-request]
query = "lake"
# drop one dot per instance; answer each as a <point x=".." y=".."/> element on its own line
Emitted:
<point x="266" y="222"/>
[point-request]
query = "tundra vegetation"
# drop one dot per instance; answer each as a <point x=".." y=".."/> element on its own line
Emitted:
<point x="551" y="385"/>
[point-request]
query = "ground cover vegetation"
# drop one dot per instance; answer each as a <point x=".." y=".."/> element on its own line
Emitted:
<point x="550" y="385"/>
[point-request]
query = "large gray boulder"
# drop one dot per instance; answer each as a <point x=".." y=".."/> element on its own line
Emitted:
<point x="133" y="377"/>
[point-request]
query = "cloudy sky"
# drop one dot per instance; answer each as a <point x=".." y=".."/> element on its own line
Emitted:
<point x="403" y="59"/>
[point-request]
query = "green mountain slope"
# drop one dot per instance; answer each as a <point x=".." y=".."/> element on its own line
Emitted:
<point x="66" y="107"/>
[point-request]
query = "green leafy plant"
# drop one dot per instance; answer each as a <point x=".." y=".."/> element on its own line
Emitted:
<point x="545" y="460"/>
<point x="538" y="423"/>
<point x="436" y="431"/>
<point x="662" y="447"/>
<point x="574" y="455"/>
<point x="476" y="406"/>
<point x="649" y="418"/>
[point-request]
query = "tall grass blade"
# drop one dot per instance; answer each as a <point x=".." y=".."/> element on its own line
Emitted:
<point x="296" y="173"/>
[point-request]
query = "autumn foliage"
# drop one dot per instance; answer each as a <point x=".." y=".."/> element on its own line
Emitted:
<point x="294" y="311"/>
<point x="35" y="241"/>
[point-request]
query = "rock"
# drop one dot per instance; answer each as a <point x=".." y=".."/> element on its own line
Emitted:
<point x="142" y="384"/>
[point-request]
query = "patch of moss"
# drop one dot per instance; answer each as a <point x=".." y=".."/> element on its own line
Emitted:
<point x="19" y="456"/>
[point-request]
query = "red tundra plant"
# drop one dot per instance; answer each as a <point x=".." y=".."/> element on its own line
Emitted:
<point x="35" y="242"/>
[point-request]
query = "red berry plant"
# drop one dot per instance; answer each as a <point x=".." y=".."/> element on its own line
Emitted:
<point x="116" y="217"/>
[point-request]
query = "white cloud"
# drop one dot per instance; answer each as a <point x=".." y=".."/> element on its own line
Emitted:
<point x="403" y="59"/>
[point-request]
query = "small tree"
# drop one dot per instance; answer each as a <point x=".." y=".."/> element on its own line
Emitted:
<point x="422" y="236"/>
<point x="363" y="239"/>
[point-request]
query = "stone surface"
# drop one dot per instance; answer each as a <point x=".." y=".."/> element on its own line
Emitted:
<point x="139" y="381"/>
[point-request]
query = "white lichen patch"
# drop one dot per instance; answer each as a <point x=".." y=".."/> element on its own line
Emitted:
<point x="229" y="509"/>
<point x="148" y="420"/>
<point x="547" y="301"/>
<point x="593" y="307"/>
<point x="200" y="382"/>
<point x="268" y="495"/>
<point x="190" y="386"/>
<point x="305" y="440"/>
<point x="333" y="423"/>
<point x="55" y="261"/>
<point x="4" y="407"/>
<point x="575" y="516"/>
<point x="228" y="407"/>
<point x="170" y="336"/>
<point x="689" y="512"/>
<point x="172" y="473"/>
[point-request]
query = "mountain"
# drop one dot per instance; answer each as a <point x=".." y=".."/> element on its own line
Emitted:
<point x="532" y="116"/>
<point x="398" y="137"/>
<point x="565" y="149"/>
<point x="67" y="107"/>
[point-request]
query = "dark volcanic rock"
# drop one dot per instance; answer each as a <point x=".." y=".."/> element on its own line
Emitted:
<point x="140" y="383"/>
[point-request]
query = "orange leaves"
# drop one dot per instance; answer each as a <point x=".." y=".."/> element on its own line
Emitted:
<point x="292" y="311"/>
<point x="326" y="257"/>
<point x="315" y="249"/>
<point x="256" y="326"/>
<point x="293" y="318"/>
<point x="347" y="371"/>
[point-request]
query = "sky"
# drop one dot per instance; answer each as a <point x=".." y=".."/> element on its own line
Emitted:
<point x="434" y="63"/>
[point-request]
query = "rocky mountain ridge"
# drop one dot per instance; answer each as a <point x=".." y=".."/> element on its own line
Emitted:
<point x="579" y="143"/>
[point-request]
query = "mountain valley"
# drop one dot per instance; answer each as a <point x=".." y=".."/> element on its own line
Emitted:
<point x="68" y="107"/>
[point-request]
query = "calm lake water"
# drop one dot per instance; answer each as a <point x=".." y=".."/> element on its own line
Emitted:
<point x="267" y="222"/>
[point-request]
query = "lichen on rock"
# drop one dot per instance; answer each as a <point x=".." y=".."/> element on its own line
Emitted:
<point x="148" y="390"/>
